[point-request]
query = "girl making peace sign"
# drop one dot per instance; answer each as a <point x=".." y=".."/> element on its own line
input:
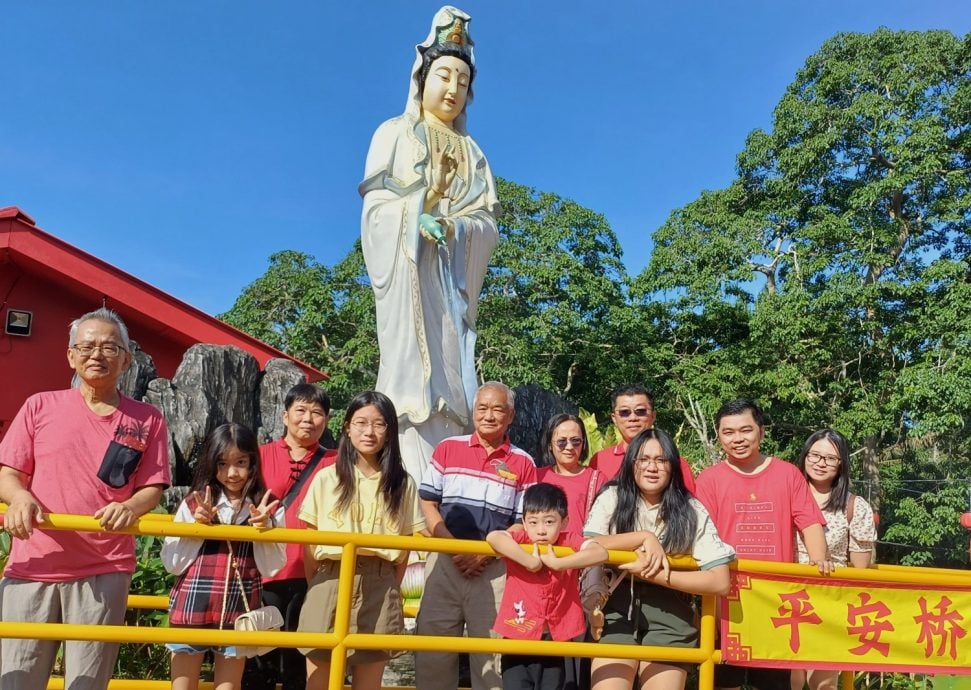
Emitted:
<point x="227" y="489"/>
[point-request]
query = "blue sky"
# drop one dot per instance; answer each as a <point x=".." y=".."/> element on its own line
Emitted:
<point x="187" y="141"/>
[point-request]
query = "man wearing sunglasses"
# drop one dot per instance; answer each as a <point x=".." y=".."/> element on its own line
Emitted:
<point x="632" y="412"/>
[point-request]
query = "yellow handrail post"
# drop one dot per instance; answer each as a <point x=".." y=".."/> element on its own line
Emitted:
<point x="706" y="669"/>
<point x="846" y="680"/>
<point x="342" y="616"/>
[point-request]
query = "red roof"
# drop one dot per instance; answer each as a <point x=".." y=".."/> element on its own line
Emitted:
<point x="36" y="251"/>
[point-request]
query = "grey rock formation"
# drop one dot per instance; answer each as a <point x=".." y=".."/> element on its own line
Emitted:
<point x="135" y="381"/>
<point x="279" y="376"/>
<point x="534" y="407"/>
<point x="214" y="384"/>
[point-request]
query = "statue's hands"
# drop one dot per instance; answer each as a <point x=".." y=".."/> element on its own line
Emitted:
<point x="444" y="173"/>
<point x="448" y="226"/>
<point x="439" y="230"/>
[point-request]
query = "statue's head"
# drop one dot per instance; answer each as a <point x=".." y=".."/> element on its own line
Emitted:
<point x="449" y="47"/>
<point x="430" y="55"/>
<point x="445" y="83"/>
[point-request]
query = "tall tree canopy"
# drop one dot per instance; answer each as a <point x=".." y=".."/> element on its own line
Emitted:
<point x="831" y="279"/>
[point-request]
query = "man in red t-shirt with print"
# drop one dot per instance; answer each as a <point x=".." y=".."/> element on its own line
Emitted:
<point x="758" y="503"/>
<point x="632" y="411"/>
<point x="288" y="465"/>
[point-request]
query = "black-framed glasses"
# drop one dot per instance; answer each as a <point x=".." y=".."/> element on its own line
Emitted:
<point x="107" y="349"/>
<point x="828" y="460"/>
<point x="626" y="412"/>
<point x="574" y="442"/>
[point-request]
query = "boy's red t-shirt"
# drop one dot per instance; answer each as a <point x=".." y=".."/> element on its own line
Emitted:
<point x="533" y="602"/>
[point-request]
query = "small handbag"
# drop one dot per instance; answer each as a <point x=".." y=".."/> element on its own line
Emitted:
<point x="262" y="618"/>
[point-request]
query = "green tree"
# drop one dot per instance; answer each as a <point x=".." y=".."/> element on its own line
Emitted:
<point x="556" y="287"/>
<point x="828" y="279"/>
<point x="319" y="314"/>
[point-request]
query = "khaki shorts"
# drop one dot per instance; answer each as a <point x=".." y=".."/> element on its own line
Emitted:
<point x="375" y="607"/>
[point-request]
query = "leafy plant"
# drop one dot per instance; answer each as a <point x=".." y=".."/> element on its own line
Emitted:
<point x="143" y="660"/>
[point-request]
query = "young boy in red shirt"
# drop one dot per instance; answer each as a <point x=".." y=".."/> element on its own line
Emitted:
<point x="541" y="599"/>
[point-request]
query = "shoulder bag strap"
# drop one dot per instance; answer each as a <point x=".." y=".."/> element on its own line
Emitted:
<point x="592" y="489"/>
<point x="229" y="566"/>
<point x="239" y="580"/>
<point x="308" y="470"/>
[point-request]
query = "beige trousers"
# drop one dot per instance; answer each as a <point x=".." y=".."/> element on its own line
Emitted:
<point x="100" y="600"/>
<point x="449" y="604"/>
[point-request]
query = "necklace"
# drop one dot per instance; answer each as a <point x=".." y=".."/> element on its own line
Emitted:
<point x="442" y="139"/>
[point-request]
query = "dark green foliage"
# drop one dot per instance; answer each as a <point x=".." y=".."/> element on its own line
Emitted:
<point x="830" y="280"/>
<point x="321" y="315"/>
<point x="551" y="298"/>
<point x="143" y="660"/>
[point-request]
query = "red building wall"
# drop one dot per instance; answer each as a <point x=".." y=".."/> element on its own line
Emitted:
<point x="58" y="283"/>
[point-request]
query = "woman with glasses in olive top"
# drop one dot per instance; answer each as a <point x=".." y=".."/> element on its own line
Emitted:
<point x="850" y="527"/>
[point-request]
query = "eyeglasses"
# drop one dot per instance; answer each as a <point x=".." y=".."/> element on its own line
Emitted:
<point x="657" y="462"/>
<point x="828" y="460"/>
<point x="562" y="443"/>
<point x="625" y="412"/>
<point x="107" y="349"/>
<point x="378" y="427"/>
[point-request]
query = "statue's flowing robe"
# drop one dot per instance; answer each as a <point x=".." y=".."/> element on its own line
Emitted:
<point x="426" y="297"/>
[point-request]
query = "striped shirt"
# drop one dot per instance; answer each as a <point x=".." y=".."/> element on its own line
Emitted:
<point x="477" y="492"/>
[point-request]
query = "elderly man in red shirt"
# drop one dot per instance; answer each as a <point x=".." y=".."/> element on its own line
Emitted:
<point x="89" y="450"/>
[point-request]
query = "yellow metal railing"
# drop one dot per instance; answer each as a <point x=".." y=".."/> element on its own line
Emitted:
<point x="341" y="639"/>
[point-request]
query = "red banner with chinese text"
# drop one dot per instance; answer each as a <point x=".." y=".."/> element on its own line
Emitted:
<point x="785" y="621"/>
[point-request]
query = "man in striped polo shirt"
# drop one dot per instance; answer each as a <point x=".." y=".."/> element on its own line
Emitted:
<point x="474" y="484"/>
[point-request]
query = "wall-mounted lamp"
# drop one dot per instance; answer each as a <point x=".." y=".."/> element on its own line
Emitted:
<point x="19" y="322"/>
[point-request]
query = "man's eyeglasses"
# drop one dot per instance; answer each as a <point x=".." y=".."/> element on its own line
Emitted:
<point x="107" y="349"/>
<point x="828" y="460"/>
<point x="562" y="443"/>
<point x="625" y="412"/>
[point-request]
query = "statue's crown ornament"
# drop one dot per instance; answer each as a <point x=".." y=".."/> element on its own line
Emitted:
<point x="456" y="33"/>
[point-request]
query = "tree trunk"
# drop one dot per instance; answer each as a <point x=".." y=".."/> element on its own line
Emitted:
<point x="871" y="470"/>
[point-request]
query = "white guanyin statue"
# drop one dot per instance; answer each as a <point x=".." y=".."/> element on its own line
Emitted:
<point x="428" y="230"/>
